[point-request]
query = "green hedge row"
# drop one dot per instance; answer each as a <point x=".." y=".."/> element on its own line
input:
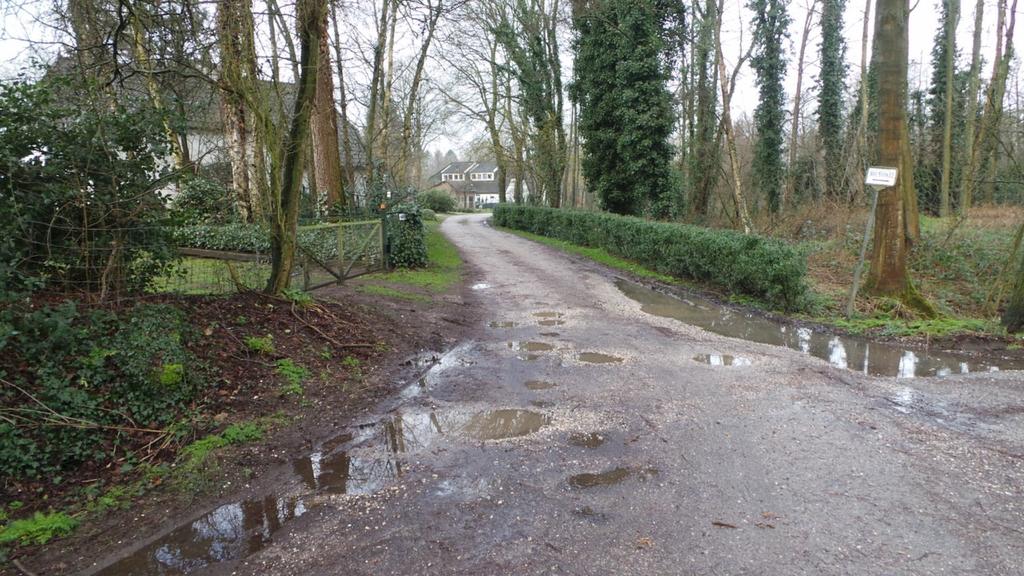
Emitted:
<point x="766" y="268"/>
<point x="252" y="238"/>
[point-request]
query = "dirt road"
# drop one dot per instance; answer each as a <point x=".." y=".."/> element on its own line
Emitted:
<point x="575" y="434"/>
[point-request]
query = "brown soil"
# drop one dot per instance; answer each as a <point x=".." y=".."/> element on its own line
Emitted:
<point x="380" y="334"/>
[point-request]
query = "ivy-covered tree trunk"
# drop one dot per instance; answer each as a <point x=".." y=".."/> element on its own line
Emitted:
<point x="625" y="113"/>
<point x="769" y="62"/>
<point x="831" y="94"/>
<point x="704" y="161"/>
<point x="1013" y="317"/>
<point x="284" y="218"/>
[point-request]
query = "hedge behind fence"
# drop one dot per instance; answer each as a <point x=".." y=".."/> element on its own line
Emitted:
<point x="762" y="267"/>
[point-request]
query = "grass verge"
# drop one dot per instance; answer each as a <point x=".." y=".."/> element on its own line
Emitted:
<point x="443" y="270"/>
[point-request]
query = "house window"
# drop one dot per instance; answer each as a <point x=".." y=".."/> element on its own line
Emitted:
<point x="484" y="176"/>
<point x="458" y="177"/>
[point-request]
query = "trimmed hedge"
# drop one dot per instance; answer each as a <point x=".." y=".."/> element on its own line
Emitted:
<point x="252" y="238"/>
<point x="762" y="267"/>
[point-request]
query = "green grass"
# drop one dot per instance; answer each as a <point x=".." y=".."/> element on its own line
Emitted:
<point x="935" y="328"/>
<point x="599" y="255"/>
<point x="195" y="461"/>
<point x="443" y="265"/>
<point x="294" y="375"/>
<point x="39" y="528"/>
<point x="261" y="344"/>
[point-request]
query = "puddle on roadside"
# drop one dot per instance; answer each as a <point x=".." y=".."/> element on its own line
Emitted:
<point x="504" y="424"/>
<point x="858" y="354"/>
<point x="497" y="324"/>
<point x="551" y="322"/>
<point x="360" y="462"/>
<point x="550" y="334"/>
<point x="530" y="346"/>
<point x="541" y="403"/>
<point x="586" y="439"/>
<point x="539" y="384"/>
<point x="480" y="286"/>
<point x="598" y="358"/>
<point x="609" y="478"/>
<point x="722" y="360"/>
<point x="548" y="314"/>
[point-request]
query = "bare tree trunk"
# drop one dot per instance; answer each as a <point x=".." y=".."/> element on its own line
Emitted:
<point x="324" y="127"/>
<point x="376" y="81"/>
<point x="862" y="124"/>
<point x="952" y="17"/>
<point x="888" y="273"/>
<point x="285" y="202"/>
<point x="794" y="130"/>
<point x="387" y="100"/>
<point x="346" y="138"/>
<point x="730" y="138"/>
<point x="434" y="14"/>
<point x="233" y="87"/>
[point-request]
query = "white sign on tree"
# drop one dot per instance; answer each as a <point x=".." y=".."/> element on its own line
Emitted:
<point x="879" y="177"/>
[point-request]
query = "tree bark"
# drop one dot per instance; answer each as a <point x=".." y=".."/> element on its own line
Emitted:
<point x="730" y="140"/>
<point x="888" y="273"/>
<point x="973" y="86"/>
<point x="794" y="130"/>
<point x="952" y="17"/>
<point x="1013" y="317"/>
<point x="285" y="206"/>
<point x="324" y="127"/>
<point x="376" y="80"/>
<point x="346" y="138"/>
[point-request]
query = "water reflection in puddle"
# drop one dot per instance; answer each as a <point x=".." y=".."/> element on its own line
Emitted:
<point x="598" y="358"/>
<point x="548" y="314"/>
<point x="875" y="358"/>
<point x="362" y="461"/>
<point x="551" y="322"/>
<point x="530" y="346"/>
<point x="480" y="286"/>
<point x="722" y="360"/>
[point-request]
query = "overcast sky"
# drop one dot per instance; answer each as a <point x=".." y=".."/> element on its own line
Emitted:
<point x="22" y="37"/>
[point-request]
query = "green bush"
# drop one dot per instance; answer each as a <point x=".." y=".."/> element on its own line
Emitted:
<point x="436" y="200"/>
<point x="127" y="368"/>
<point x="79" y="190"/>
<point x="428" y="215"/>
<point x="253" y="239"/>
<point x="747" y="264"/>
<point x="38" y="529"/>
<point x="406" y="237"/>
<point x="203" y="201"/>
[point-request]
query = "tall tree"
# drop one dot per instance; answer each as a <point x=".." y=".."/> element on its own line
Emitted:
<point x="705" y="156"/>
<point x="794" y="130"/>
<point x="284" y="205"/>
<point x="951" y="16"/>
<point x="888" y="274"/>
<point x="769" y="63"/>
<point x="625" y="109"/>
<point x="831" y="93"/>
<point x="528" y="32"/>
<point x="1013" y="317"/>
<point x="973" y="85"/>
<point x="326" y="160"/>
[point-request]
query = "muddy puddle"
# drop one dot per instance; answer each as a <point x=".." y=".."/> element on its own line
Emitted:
<point x="859" y="354"/>
<point x="361" y="461"/>
<point x="501" y="324"/>
<point x="531" y="346"/>
<point x="539" y="385"/>
<point x="551" y="322"/>
<point x="722" y="360"/>
<point x="589" y="440"/>
<point x="609" y="477"/>
<point x="598" y="358"/>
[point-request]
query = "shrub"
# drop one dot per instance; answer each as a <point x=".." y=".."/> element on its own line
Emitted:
<point x="79" y="181"/>
<point x="436" y="200"/>
<point x="203" y="201"/>
<point x="406" y="237"/>
<point x="428" y="215"/>
<point x="254" y="239"/>
<point x="747" y="264"/>
<point x="110" y="369"/>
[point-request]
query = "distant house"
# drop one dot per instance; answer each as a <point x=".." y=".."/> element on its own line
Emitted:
<point x="471" y="184"/>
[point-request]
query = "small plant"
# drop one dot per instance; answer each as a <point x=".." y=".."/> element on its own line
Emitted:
<point x="326" y="353"/>
<point x="171" y="375"/>
<point x="298" y="297"/>
<point x="40" y="528"/>
<point x="260" y="344"/>
<point x="351" y="362"/>
<point x="294" y="376"/>
<point x="242" y="432"/>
